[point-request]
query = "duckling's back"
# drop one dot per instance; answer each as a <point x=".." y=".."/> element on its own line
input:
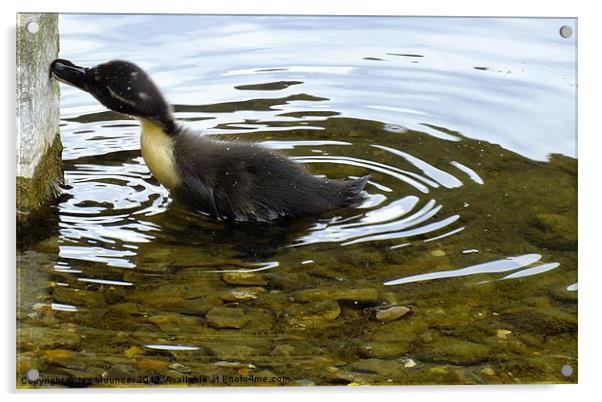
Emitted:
<point x="245" y="182"/>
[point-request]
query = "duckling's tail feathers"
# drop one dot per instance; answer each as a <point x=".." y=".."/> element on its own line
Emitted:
<point x="352" y="188"/>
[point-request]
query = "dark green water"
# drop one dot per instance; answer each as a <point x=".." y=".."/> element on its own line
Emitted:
<point x="470" y="220"/>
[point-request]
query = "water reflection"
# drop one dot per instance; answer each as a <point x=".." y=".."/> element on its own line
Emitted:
<point x="376" y="108"/>
<point x="213" y="55"/>
<point x="455" y="121"/>
<point x="492" y="267"/>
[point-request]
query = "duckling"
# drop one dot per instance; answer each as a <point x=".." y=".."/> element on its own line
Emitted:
<point x="230" y="180"/>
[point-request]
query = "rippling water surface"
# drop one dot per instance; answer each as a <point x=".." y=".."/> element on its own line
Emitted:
<point x="467" y="127"/>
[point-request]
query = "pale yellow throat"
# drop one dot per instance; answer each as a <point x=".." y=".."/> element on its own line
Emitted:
<point x="157" y="151"/>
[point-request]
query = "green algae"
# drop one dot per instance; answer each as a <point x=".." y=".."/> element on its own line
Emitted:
<point x="37" y="192"/>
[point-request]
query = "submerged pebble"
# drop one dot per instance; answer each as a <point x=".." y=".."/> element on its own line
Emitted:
<point x="384" y="350"/>
<point x="46" y="338"/>
<point x="133" y="351"/>
<point x="455" y="351"/>
<point x="283" y="350"/>
<point x="242" y="294"/>
<point x="151" y="364"/>
<point x="549" y="321"/>
<point x="359" y="295"/>
<point x="244" y="278"/>
<point x="391" y="313"/>
<point x="224" y="317"/>
<point x="235" y="365"/>
<point x="378" y="366"/>
<point x="488" y="371"/>
<point x="409" y="363"/>
<point x="503" y="333"/>
<point x="314" y="314"/>
<point x="174" y="322"/>
<point x="77" y="297"/>
<point x="59" y="355"/>
<point x="180" y="367"/>
<point x="228" y="352"/>
<point x="437" y="253"/>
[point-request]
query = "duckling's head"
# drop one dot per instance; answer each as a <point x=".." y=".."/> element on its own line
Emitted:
<point x="120" y="86"/>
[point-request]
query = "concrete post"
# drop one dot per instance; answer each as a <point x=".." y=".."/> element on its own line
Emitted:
<point x="39" y="165"/>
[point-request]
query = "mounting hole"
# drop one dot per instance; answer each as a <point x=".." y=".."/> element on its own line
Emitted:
<point x="32" y="374"/>
<point x="566" y="370"/>
<point x="566" y="31"/>
<point x="32" y="27"/>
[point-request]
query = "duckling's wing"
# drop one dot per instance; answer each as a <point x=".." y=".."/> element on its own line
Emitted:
<point x="197" y="194"/>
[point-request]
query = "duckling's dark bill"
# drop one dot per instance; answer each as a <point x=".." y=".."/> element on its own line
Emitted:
<point x="68" y="73"/>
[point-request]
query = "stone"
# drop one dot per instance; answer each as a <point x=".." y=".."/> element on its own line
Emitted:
<point x="46" y="338"/>
<point x="334" y="375"/>
<point x="437" y="253"/>
<point x="463" y="376"/>
<point x="391" y="313"/>
<point x="121" y="371"/>
<point x="283" y="350"/>
<point x="503" y="333"/>
<point x="175" y="322"/>
<point x="151" y="364"/>
<point x="224" y="317"/>
<point x="234" y="365"/>
<point x="488" y="371"/>
<point x="384" y="350"/>
<point x="543" y="321"/>
<point x="244" y="278"/>
<point x="59" y="355"/>
<point x="169" y="293"/>
<point x="455" y="351"/>
<point x="133" y="351"/>
<point x="78" y="297"/>
<point x="378" y="366"/>
<point x="438" y="370"/>
<point x="196" y="306"/>
<point x="409" y="363"/>
<point x="312" y="315"/>
<point x="125" y="309"/>
<point x="180" y="368"/>
<point x="353" y="295"/>
<point x="232" y="353"/>
<point x="561" y="293"/>
<point x="242" y="294"/>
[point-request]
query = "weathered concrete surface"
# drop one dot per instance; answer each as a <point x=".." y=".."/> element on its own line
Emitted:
<point x="39" y="166"/>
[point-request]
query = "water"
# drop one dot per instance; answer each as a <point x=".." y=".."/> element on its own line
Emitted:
<point x="467" y="127"/>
